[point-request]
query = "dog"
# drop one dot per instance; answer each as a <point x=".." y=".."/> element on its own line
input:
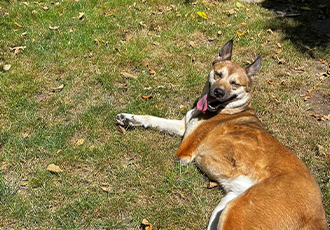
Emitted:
<point x="266" y="185"/>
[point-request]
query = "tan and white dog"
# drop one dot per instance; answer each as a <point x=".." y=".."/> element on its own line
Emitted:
<point x="267" y="186"/>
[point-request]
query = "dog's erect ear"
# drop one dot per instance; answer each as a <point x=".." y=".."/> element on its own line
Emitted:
<point x="253" y="68"/>
<point x="225" y="52"/>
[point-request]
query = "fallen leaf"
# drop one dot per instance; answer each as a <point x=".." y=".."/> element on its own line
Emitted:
<point x="212" y="185"/>
<point x="146" y="96"/>
<point x="81" y="16"/>
<point x="122" y="129"/>
<point x="45" y="7"/>
<point x="320" y="117"/>
<point x="54" y="168"/>
<point x="6" y="67"/>
<point x="106" y="188"/>
<point x="241" y="32"/>
<point x="36" y="3"/>
<point x="146" y="224"/>
<point x="128" y="75"/>
<point x="59" y="88"/>
<point x="19" y="25"/>
<point x="308" y="96"/>
<point x="182" y="107"/>
<point x="192" y="44"/>
<point x="142" y="24"/>
<point x="17" y="49"/>
<point x="305" y="8"/>
<point x="278" y="51"/>
<point x="71" y="30"/>
<point x="54" y="27"/>
<point x="230" y="12"/>
<point x="238" y="4"/>
<point x="270" y="82"/>
<point x="96" y="41"/>
<point x="202" y="14"/>
<point x="152" y="72"/>
<point x="80" y="142"/>
<point x="23" y="34"/>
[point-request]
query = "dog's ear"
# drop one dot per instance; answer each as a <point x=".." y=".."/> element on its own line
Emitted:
<point x="253" y="68"/>
<point x="225" y="52"/>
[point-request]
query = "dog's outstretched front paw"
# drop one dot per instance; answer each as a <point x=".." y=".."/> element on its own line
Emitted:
<point x="125" y="119"/>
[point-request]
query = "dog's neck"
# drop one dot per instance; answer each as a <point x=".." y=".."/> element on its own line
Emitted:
<point x="236" y="106"/>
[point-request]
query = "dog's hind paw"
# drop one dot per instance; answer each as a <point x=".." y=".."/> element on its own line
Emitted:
<point x="125" y="119"/>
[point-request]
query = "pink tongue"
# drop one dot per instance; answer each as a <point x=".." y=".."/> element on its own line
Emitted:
<point x="202" y="104"/>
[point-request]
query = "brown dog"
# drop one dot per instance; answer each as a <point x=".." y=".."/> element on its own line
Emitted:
<point x="267" y="186"/>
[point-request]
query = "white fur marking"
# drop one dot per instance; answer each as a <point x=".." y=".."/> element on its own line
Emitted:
<point x="234" y="188"/>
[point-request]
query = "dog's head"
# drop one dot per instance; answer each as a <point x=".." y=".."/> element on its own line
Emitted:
<point x="229" y="89"/>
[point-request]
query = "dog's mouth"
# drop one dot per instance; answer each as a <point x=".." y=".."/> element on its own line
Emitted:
<point x="212" y="104"/>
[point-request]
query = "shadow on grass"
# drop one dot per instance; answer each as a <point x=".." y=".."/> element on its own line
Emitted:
<point x="311" y="27"/>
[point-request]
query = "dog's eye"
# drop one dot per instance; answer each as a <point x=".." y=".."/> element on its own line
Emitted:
<point x="234" y="82"/>
<point x="219" y="75"/>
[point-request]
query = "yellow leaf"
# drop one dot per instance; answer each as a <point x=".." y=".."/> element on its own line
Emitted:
<point x="54" y="168"/>
<point x="238" y="4"/>
<point x="202" y="14"/>
<point x="305" y="8"/>
<point x="19" y="25"/>
<point x="146" y="224"/>
<point x="241" y="32"/>
<point x="79" y="142"/>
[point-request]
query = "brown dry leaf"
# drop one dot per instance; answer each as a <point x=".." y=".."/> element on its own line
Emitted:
<point x="122" y="129"/>
<point x="152" y="72"/>
<point x="278" y="51"/>
<point x="17" y="49"/>
<point x="182" y="107"/>
<point x="230" y="12"/>
<point x="212" y="185"/>
<point x="146" y="96"/>
<point x="270" y="82"/>
<point x="54" y="168"/>
<point x="6" y="67"/>
<point x="146" y="224"/>
<point x="23" y="34"/>
<point x="54" y="27"/>
<point x="128" y="75"/>
<point x="59" y="88"/>
<point x="79" y="142"/>
<point x="45" y="7"/>
<point x="308" y="96"/>
<point x="96" y="41"/>
<point x="142" y="24"/>
<point x="106" y="188"/>
<point x="81" y="16"/>
<point x="71" y="30"/>
<point x="320" y="117"/>
<point x="68" y="102"/>
<point x="36" y="3"/>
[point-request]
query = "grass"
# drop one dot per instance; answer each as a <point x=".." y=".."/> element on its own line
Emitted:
<point x="113" y="180"/>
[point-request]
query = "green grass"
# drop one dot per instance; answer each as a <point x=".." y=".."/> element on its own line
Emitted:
<point x="114" y="180"/>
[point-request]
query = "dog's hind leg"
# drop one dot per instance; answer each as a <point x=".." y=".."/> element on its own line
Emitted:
<point x="162" y="124"/>
<point x="215" y="217"/>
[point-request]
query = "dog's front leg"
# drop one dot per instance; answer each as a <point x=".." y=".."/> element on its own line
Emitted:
<point x="162" y="124"/>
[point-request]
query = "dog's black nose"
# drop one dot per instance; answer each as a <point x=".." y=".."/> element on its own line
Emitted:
<point x="218" y="92"/>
